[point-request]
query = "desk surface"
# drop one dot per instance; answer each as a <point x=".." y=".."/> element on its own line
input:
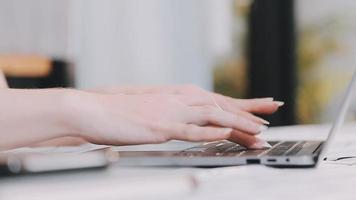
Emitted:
<point x="331" y="180"/>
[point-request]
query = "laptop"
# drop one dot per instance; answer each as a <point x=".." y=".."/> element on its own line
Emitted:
<point x="225" y="153"/>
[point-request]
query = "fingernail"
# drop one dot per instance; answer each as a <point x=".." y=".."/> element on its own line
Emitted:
<point x="268" y="99"/>
<point x="279" y="103"/>
<point x="265" y="122"/>
<point x="263" y="128"/>
<point x="260" y="144"/>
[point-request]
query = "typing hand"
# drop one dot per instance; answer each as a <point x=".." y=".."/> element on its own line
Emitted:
<point x="155" y="117"/>
<point x="245" y="108"/>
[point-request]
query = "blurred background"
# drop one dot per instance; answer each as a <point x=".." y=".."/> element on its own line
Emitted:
<point x="298" y="51"/>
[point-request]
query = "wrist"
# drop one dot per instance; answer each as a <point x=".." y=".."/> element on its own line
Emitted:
<point x="79" y="109"/>
<point x="37" y="115"/>
<point x="61" y="113"/>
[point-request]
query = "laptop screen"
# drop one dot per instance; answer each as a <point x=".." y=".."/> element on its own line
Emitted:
<point x="341" y="113"/>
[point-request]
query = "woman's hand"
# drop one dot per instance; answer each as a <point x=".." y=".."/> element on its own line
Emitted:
<point x="154" y="118"/>
<point x="239" y="107"/>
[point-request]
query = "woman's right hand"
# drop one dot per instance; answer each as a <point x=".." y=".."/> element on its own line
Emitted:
<point x="118" y="119"/>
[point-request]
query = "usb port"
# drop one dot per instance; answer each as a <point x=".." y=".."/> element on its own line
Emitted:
<point x="253" y="161"/>
<point x="271" y="160"/>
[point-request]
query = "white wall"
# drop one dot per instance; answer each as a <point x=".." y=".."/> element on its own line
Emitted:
<point x="34" y="26"/>
<point x="140" y="41"/>
<point x="122" y="41"/>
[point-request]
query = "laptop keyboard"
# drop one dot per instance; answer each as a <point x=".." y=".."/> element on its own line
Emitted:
<point x="225" y="148"/>
<point x="280" y="149"/>
<point x="295" y="149"/>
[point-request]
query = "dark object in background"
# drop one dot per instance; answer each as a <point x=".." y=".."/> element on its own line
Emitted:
<point x="272" y="56"/>
<point x="58" y="77"/>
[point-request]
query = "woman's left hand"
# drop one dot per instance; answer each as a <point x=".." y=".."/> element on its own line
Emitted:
<point x="239" y="107"/>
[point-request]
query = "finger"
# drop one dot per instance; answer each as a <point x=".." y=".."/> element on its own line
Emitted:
<point x="260" y="106"/>
<point x="248" y="141"/>
<point x="194" y="133"/>
<point x="204" y="115"/>
<point x="253" y="117"/>
<point x="207" y="100"/>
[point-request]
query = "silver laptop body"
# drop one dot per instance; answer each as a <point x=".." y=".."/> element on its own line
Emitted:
<point x="225" y="153"/>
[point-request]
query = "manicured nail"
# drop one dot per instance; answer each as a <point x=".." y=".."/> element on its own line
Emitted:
<point x="268" y="99"/>
<point x="263" y="128"/>
<point x="265" y="122"/>
<point x="279" y="103"/>
<point x="260" y="144"/>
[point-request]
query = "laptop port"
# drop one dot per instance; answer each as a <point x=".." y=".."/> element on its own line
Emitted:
<point x="271" y="160"/>
<point x="253" y="161"/>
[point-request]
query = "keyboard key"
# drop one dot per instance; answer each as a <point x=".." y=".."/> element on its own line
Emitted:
<point x="203" y="147"/>
<point x="236" y="148"/>
<point x="221" y="148"/>
<point x="296" y="149"/>
<point x="281" y="149"/>
<point x="272" y="143"/>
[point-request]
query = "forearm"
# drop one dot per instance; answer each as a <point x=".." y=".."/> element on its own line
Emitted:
<point x="30" y="116"/>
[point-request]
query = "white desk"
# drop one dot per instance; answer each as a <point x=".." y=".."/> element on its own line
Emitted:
<point x="328" y="181"/>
